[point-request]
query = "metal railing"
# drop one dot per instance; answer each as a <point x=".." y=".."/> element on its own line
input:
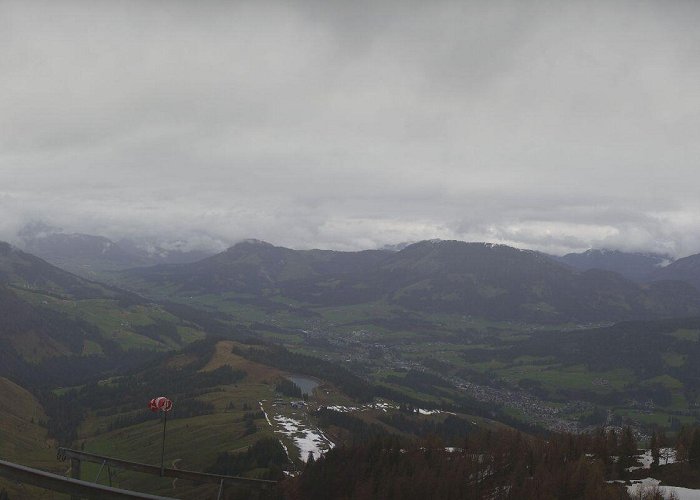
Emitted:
<point x="77" y="488"/>
<point x="70" y="486"/>
<point x="76" y="457"/>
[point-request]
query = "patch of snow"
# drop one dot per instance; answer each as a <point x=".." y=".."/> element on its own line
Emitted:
<point x="682" y="493"/>
<point x="667" y="456"/>
<point x="286" y="451"/>
<point x="265" y="413"/>
<point x="384" y="407"/>
<point x="436" y="412"/>
<point x="342" y="409"/>
<point x="306" y="440"/>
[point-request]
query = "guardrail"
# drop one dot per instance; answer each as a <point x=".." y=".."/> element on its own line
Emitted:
<point x="70" y="486"/>
<point x="76" y="457"/>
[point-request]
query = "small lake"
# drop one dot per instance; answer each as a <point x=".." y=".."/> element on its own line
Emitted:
<point x="306" y="384"/>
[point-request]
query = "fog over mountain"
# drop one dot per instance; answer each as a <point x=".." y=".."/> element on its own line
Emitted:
<point x="555" y="126"/>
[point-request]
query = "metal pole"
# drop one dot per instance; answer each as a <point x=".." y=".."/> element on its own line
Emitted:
<point x="221" y="490"/>
<point x="162" y="452"/>
<point x="75" y="473"/>
<point x="100" y="472"/>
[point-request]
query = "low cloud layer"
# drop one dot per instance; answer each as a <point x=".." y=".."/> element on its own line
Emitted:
<point x="551" y="125"/>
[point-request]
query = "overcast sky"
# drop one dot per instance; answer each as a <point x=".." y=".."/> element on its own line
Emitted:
<point x="557" y="126"/>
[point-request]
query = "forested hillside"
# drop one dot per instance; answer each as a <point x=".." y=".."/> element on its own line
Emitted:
<point x="483" y="280"/>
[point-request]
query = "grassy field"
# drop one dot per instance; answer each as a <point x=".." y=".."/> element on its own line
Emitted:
<point x="22" y="438"/>
<point x="24" y="441"/>
<point x="114" y="321"/>
<point x="191" y="443"/>
<point x="567" y="377"/>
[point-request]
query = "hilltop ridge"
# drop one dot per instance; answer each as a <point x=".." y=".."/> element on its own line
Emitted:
<point x="480" y="279"/>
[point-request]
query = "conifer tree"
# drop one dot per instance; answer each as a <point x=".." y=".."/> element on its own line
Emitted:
<point x="628" y="446"/>
<point x="694" y="450"/>
<point x="655" y="449"/>
<point x="683" y="442"/>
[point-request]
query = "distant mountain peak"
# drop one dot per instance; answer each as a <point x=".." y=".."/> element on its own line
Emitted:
<point x="616" y="252"/>
<point x="600" y="251"/>
<point x="396" y="247"/>
<point x="6" y="248"/>
<point x="686" y="269"/>
<point x="87" y="254"/>
<point x="37" y="229"/>
<point x="503" y="246"/>
<point x="252" y="242"/>
<point x="440" y="243"/>
<point x="636" y="266"/>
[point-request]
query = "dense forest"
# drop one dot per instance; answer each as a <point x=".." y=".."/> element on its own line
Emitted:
<point x="502" y="464"/>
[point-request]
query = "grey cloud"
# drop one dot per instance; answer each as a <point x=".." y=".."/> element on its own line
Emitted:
<point x="550" y="125"/>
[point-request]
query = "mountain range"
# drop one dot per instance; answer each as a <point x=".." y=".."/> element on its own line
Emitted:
<point x="47" y="313"/>
<point x="90" y="255"/>
<point x="478" y="279"/>
<point x="639" y="267"/>
<point x="22" y="269"/>
<point x="78" y="359"/>
<point x="686" y="269"/>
